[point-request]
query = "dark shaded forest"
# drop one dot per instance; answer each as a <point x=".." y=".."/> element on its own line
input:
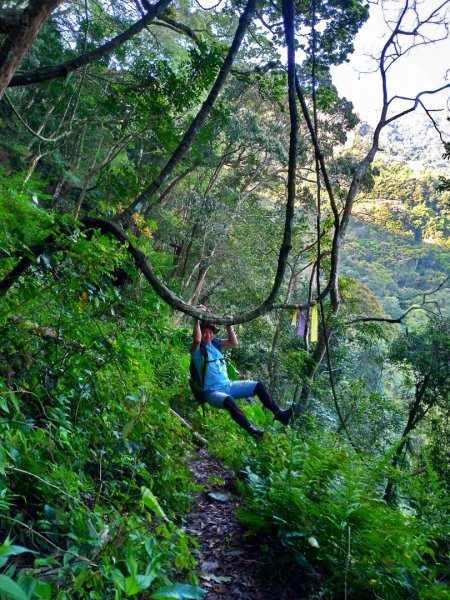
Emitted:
<point x="156" y="159"/>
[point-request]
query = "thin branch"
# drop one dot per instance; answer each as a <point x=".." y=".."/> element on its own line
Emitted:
<point x="320" y="158"/>
<point x="406" y="313"/>
<point x="30" y="130"/>
<point x="416" y="102"/>
<point x="195" y="434"/>
<point x="16" y="470"/>
<point x="385" y="319"/>
<point x="164" y="21"/>
<point x="36" y="533"/>
<point x="169" y="189"/>
<point x="439" y="287"/>
<point x="209" y="7"/>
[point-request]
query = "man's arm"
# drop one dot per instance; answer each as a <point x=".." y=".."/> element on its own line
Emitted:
<point x="232" y="340"/>
<point x="196" y="335"/>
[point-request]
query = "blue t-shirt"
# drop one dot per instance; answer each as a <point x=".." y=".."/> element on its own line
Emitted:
<point x="216" y="376"/>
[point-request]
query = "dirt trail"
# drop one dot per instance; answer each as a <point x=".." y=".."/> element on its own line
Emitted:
<point x="231" y="565"/>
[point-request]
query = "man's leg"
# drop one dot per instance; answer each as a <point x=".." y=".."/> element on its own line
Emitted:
<point x="224" y="400"/>
<point x="245" y="389"/>
<point x="237" y="414"/>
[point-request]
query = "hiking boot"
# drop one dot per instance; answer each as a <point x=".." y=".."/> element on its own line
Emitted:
<point x="284" y="416"/>
<point x="256" y="434"/>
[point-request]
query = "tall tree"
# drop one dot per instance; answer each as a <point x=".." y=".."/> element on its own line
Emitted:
<point x="425" y="357"/>
<point x="20" y="36"/>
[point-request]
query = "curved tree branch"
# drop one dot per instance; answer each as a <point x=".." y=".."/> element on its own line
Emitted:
<point x="17" y="272"/>
<point x="138" y="205"/>
<point x="62" y="70"/>
<point x="141" y="261"/>
<point x="179" y="27"/>
<point x="415" y="102"/>
<point x="37" y="135"/>
<point x="386" y="319"/>
<point x="142" y="264"/>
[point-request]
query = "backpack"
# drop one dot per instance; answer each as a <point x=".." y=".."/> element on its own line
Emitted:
<point x="196" y="379"/>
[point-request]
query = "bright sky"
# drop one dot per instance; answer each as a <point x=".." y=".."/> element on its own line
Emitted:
<point x="424" y="68"/>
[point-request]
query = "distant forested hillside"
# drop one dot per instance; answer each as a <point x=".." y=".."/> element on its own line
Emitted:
<point x="398" y="244"/>
<point x="415" y="139"/>
<point x="397" y="271"/>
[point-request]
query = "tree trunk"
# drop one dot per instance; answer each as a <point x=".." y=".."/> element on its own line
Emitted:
<point x="185" y="252"/>
<point x="200" y="282"/>
<point x="19" y="40"/>
<point x="278" y="328"/>
<point x="304" y="392"/>
<point x="414" y="417"/>
<point x="418" y="235"/>
<point x="81" y="197"/>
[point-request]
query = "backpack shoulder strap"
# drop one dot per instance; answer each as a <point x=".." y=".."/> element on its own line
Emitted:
<point x="204" y="363"/>
<point x="199" y="374"/>
<point x="217" y="344"/>
<point x="204" y="355"/>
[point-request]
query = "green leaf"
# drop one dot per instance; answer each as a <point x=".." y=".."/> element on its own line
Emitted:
<point x="179" y="591"/>
<point x="131" y="586"/>
<point x="15" y="401"/>
<point x="7" y="550"/>
<point x="154" y="566"/>
<point x="151" y="502"/>
<point x="10" y="587"/>
<point x="3" y="460"/>
<point x="43" y="590"/>
<point x="81" y="578"/>
<point x="132" y="565"/>
<point x="118" y="578"/>
<point x="232" y="372"/>
<point x="127" y="429"/>
<point x="144" y="581"/>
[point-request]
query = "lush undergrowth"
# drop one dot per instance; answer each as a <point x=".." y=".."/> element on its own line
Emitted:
<point x="322" y="506"/>
<point x="93" y="477"/>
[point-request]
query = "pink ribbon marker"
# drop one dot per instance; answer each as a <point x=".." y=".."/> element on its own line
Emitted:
<point x="301" y="324"/>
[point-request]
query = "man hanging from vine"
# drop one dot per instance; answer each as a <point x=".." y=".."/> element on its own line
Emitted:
<point x="216" y="388"/>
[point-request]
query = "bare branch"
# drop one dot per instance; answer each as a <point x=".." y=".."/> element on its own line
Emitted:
<point x="30" y="130"/>
<point x="209" y="7"/>
<point x="416" y="102"/>
<point x="422" y="306"/>
<point x="179" y="27"/>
